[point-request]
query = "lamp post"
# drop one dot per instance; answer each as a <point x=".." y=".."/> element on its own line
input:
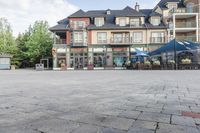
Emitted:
<point x="104" y="52"/>
<point x="175" y="57"/>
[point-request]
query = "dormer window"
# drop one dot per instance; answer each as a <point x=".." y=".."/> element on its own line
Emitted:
<point x="99" y="22"/>
<point x="135" y="22"/>
<point x="172" y="6"/>
<point x="155" y="21"/>
<point x="122" y="21"/>
<point x="108" y="12"/>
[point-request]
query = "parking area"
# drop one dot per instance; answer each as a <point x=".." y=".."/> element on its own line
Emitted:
<point x="109" y="101"/>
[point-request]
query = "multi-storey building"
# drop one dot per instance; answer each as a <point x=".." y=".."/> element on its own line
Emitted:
<point x="109" y="37"/>
<point x="182" y="17"/>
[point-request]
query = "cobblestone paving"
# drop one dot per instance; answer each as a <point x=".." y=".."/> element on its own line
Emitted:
<point x="99" y="101"/>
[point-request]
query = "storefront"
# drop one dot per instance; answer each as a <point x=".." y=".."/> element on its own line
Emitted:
<point x="120" y="56"/>
<point x="78" y="58"/>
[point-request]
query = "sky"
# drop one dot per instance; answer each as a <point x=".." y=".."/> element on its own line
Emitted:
<point x="22" y="13"/>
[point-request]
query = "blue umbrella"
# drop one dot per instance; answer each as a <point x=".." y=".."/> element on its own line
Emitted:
<point x="180" y="46"/>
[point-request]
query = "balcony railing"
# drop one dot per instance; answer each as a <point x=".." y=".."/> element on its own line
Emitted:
<point x="157" y="40"/>
<point x="77" y="27"/>
<point x="187" y="38"/>
<point x="120" y="40"/>
<point x="191" y="24"/>
<point x="79" y="44"/>
<point x="193" y="9"/>
<point x="60" y="41"/>
<point x="102" y="41"/>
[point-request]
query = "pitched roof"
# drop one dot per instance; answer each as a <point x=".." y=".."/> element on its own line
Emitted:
<point x="130" y="12"/>
<point x="162" y="3"/>
<point x="59" y="27"/>
<point x="79" y="13"/>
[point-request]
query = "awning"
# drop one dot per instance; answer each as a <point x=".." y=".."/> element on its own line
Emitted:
<point x="175" y="45"/>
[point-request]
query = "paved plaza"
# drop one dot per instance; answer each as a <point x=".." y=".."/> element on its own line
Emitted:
<point x="99" y="101"/>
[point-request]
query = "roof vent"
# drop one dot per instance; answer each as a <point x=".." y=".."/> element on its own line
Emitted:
<point x="137" y="7"/>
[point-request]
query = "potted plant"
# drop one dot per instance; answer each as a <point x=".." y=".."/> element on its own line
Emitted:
<point x="186" y="61"/>
<point x="147" y="64"/>
<point x="171" y="64"/>
<point x="90" y="66"/>
<point x="156" y="65"/>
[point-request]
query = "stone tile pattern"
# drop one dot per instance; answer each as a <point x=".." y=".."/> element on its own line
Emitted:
<point x="99" y="101"/>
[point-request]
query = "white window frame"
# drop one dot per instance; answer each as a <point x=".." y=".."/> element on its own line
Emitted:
<point x="135" y="22"/>
<point x="79" y="24"/>
<point x="137" y="37"/>
<point x="101" y="37"/>
<point x="122" y="21"/>
<point x="155" y="20"/>
<point x="99" y="21"/>
<point x="158" y="37"/>
<point x="118" y="38"/>
<point x="78" y="37"/>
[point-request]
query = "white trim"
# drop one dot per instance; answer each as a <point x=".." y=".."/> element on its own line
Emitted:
<point x="98" y="68"/>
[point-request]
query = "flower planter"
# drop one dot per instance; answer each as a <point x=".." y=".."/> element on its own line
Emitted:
<point x="90" y="67"/>
<point x="156" y="67"/>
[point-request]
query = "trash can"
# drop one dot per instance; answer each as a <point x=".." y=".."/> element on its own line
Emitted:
<point x="39" y="67"/>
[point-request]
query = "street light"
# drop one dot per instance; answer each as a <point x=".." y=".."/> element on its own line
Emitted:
<point x="175" y="58"/>
<point x="104" y="52"/>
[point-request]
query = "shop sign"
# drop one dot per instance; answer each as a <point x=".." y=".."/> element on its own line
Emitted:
<point x="61" y="50"/>
<point x="98" y="50"/>
<point x="119" y="49"/>
<point x="78" y="50"/>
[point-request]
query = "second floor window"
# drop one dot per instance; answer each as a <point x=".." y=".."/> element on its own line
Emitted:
<point x="122" y="21"/>
<point x="99" y="22"/>
<point x="155" y="21"/>
<point x="157" y="37"/>
<point x="78" y="24"/>
<point x="78" y="37"/>
<point x="101" y="37"/>
<point x="137" y="37"/>
<point x="135" y="22"/>
<point x="117" y="38"/>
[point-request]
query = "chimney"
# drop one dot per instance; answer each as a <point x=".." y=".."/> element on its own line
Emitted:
<point x="137" y="7"/>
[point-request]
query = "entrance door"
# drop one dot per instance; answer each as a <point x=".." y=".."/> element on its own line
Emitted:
<point x="78" y="62"/>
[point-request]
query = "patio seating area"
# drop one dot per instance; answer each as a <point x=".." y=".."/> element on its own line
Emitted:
<point x="175" y="55"/>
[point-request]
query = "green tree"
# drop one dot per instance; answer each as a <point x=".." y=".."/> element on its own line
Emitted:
<point x="7" y="43"/>
<point x="39" y="42"/>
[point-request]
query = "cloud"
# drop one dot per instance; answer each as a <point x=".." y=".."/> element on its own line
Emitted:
<point x="22" y="13"/>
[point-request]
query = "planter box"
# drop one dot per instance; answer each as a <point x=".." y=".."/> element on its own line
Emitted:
<point x="90" y="67"/>
<point x="155" y="67"/>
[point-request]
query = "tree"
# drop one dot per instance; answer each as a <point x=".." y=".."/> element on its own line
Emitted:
<point x="39" y="42"/>
<point x="21" y="41"/>
<point x="7" y="43"/>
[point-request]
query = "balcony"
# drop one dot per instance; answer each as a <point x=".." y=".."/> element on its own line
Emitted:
<point x="77" y="27"/>
<point x="121" y="40"/>
<point x="191" y="24"/>
<point x="79" y="44"/>
<point x="187" y="38"/>
<point x="102" y="41"/>
<point x="193" y="9"/>
<point x="157" y="40"/>
<point x="60" y="41"/>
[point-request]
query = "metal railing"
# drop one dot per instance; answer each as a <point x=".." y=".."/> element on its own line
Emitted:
<point x="191" y="24"/>
<point x="157" y="40"/>
<point x="193" y="9"/>
<point x="60" y="41"/>
<point x="78" y="27"/>
<point x="83" y="43"/>
<point x="120" y="40"/>
<point x="187" y="38"/>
